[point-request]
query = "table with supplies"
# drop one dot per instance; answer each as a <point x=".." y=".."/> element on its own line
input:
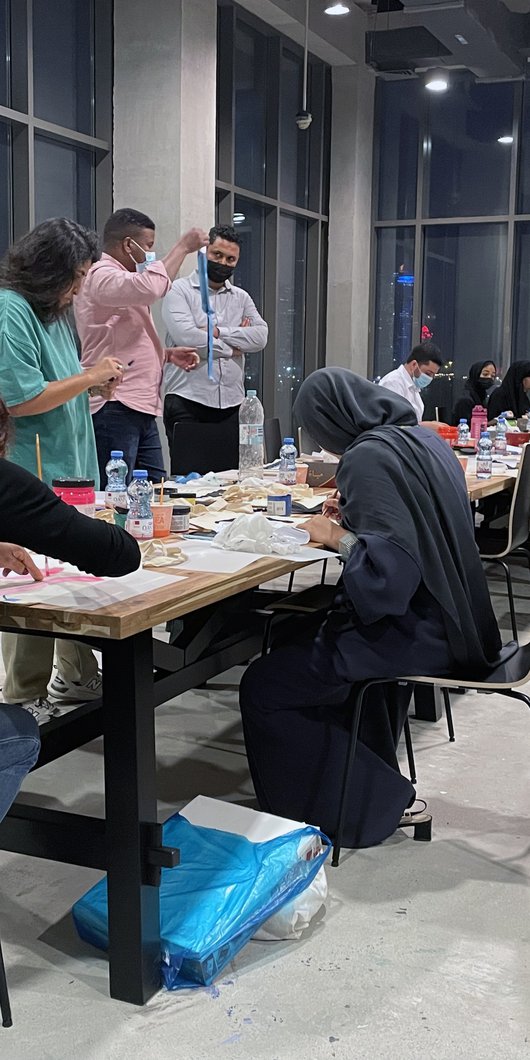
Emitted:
<point x="222" y="627"/>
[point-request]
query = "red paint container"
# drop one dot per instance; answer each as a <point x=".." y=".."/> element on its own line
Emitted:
<point x="77" y="491"/>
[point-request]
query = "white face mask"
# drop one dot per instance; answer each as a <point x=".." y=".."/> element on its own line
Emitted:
<point x="149" y="256"/>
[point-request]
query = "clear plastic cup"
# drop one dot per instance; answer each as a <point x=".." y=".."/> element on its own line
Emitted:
<point x="301" y="473"/>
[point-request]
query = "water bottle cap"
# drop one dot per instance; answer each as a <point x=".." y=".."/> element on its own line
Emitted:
<point x="115" y="454"/>
<point x="463" y="420"/>
<point x="252" y="393"/>
<point x="484" y="434"/>
<point x="140" y="474"/>
<point x="288" y="441"/>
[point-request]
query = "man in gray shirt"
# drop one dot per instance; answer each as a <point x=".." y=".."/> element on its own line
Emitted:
<point x="238" y="329"/>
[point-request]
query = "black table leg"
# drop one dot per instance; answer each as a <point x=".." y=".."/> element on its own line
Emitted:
<point x="427" y="703"/>
<point x="130" y="797"/>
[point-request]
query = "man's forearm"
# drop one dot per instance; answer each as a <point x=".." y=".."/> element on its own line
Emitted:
<point x="53" y="395"/>
<point x="174" y="258"/>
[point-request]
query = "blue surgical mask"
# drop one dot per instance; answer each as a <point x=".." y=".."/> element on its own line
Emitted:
<point x="149" y="256"/>
<point x="422" y="380"/>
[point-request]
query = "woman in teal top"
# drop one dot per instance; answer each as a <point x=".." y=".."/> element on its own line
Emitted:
<point x="46" y="393"/>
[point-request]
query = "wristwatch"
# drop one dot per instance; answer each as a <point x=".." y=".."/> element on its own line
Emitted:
<point x="347" y="543"/>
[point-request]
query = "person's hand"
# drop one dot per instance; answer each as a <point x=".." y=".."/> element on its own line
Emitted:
<point x="194" y="240"/>
<point x="245" y="323"/>
<point x="330" y="507"/>
<point x="236" y="352"/>
<point x="107" y="370"/>
<point x="215" y="330"/>
<point x="323" y="531"/>
<point x="185" y="357"/>
<point x="15" y="558"/>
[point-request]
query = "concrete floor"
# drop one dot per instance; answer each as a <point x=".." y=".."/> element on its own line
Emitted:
<point x="423" y="950"/>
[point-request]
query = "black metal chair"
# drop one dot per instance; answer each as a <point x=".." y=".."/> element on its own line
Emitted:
<point x="512" y="671"/>
<point x="5" y="1007"/>
<point x="517" y="533"/>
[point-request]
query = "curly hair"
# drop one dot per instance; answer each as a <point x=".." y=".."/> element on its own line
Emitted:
<point x="42" y="265"/>
<point x="224" y="232"/>
<point x="5" y="428"/>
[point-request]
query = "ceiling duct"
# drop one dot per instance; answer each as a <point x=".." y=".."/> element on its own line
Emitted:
<point x="483" y="36"/>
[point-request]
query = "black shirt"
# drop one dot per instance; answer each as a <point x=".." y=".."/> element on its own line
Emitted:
<point x="32" y="515"/>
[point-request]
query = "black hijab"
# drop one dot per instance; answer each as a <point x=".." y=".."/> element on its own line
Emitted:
<point x="404" y="486"/>
<point x="510" y="394"/>
<point x="475" y="387"/>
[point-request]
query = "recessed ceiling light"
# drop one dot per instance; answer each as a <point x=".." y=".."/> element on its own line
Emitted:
<point x="461" y="39"/>
<point x="505" y="140"/>
<point x="337" y="9"/>
<point x="437" y="81"/>
<point x="238" y="218"/>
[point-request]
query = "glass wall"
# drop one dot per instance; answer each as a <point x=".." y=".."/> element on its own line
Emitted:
<point x="272" y="183"/>
<point x="452" y="227"/>
<point x="55" y="115"/>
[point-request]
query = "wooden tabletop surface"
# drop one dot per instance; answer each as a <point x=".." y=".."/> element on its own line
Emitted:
<point x="147" y="610"/>
<point x="478" y="488"/>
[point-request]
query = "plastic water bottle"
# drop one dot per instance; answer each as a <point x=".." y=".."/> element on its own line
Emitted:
<point x="116" y="489"/>
<point x="251" y="452"/>
<point x="287" y="469"/>
<point x="463" y="433"/>
<point x="484" y="456"/>
<point x="500" y="436"/>
<point x="140" y="519"/>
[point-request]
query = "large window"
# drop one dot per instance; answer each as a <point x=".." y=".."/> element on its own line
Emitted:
<point x="451" y="250"/>
<point x="272" y="183"/>
<point x="55" y="113"/>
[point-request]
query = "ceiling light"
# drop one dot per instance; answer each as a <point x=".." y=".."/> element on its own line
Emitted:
<point x="337" y="9"/>
<point x="461" y="39"/>
<point x="437" y="81"/>
<point x="505" y="140"/>
<point x="238" y="218"/>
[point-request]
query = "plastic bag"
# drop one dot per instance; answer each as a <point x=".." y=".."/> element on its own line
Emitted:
<point x="210" y="905"/>
<point x="294" y="917"/>
<point x="256" y="533"/>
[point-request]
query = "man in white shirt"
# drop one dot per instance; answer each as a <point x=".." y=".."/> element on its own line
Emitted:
<point x="239" y="329"/>
<point x="412" y="377"/>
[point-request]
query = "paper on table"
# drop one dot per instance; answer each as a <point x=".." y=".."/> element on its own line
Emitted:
<point x="76" y="592"/>
<point x="203" y="557"/>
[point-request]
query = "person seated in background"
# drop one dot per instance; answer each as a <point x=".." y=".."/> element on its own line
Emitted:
<point x="113" y="316"/>
<point x="477" y="390"/>
<point x="412" y="599"/>
<point x="418" y="372"/>
<point x="513" y="395"/>
<point x="238" y="329"/>
<point x="34" y="517"/>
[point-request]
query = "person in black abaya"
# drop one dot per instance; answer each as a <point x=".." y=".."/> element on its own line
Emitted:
<point x="412" y="599"/>
<point x="477" y="390"/>
<point x="513" y="395"/>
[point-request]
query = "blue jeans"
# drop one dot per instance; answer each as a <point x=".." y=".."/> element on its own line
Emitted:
<point x="118" y="427"/>
<point x="19" y="750"/>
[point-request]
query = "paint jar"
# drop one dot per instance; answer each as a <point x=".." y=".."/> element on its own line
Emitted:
<point x="279" y="505"/>
<point x="77" y="491"/>
<point x="180" y="522"/>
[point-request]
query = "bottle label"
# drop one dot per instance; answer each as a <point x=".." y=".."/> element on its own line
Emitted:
<point x="116" y="499"/>
<point x="141" y="529"/>
<point x="250" y="433"/>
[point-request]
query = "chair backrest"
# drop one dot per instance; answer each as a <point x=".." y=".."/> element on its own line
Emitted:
<point x="272" y="439"/>
<point x="204" y="447"/>
<point x="519" y="520"/>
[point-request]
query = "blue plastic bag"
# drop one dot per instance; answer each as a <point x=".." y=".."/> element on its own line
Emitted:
<point x="214" y="901"/>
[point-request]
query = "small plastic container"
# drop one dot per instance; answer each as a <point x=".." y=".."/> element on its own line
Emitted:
<point x="301" y="472"/>
<point x="79" y="492"/>
<point x="162" y="516"/>
<point x="180" y="521"/>
<point x="279" y="505"/>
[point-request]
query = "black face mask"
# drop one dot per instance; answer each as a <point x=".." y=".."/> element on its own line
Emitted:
<point x="218" y="273"/>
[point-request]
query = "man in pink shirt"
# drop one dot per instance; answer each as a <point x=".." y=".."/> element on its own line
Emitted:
<point x="113" y="318"/>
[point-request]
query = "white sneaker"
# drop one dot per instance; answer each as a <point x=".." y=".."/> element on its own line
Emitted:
<point x="41" y="709"/>
<point x="74" y="691"/>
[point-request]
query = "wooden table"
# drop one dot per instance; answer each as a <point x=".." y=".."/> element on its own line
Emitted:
<point x="139" y="673"/>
